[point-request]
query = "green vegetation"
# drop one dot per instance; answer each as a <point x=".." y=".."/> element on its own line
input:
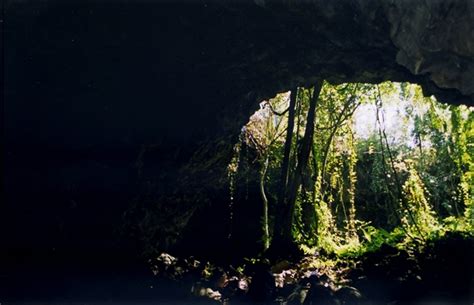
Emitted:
<point x="345" y="169"/>
<point x="365" y="193"/>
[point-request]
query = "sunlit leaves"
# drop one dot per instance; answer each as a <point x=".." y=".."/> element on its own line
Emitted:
<point x="406" y="169"/>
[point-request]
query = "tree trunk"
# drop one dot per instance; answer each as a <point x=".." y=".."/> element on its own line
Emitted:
<point x="283" y="241"/>
<point x="266" y="234"/>
<point x="285" y="166"/>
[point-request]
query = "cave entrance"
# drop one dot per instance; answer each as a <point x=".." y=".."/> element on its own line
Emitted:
<point x="385" y="163"/>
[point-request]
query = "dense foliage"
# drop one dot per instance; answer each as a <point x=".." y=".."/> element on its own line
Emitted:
<point x="385" y="165"/>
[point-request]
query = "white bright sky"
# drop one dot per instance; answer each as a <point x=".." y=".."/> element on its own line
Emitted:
<point x="365" y="121"/>
<point x="392" y="116"/>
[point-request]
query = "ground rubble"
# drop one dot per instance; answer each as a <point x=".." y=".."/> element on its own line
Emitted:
<point x="440" y="274"/>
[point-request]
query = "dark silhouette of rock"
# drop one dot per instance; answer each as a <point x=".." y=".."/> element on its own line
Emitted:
<point x="262" y="285"/>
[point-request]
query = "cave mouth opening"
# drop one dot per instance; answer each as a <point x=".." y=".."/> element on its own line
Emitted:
<point x="386" y="164"/>
<point x="379" y="207"/>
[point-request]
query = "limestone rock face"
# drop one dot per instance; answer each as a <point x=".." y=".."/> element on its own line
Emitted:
<point x="107" y="98"/>
<point x="435" y="38"/>
<point x="370" y="41"/>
